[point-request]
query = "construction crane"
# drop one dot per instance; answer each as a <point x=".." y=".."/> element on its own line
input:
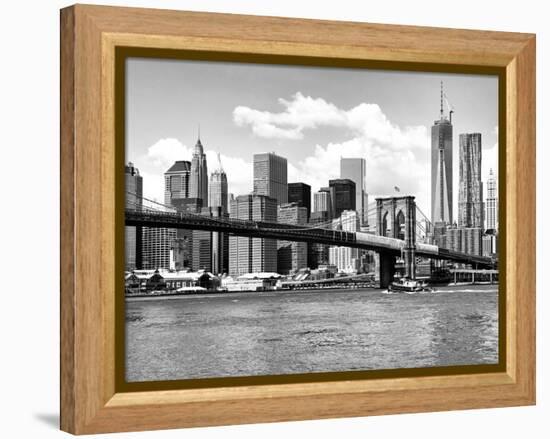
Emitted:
<point x="449" y="107"/>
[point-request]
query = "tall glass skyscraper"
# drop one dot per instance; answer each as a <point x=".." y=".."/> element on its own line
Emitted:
<point x="270" y="176"/>
<point x="470" y="196"/>
<point x="300" y="193"/>
<point x="442" y="168"/>
<point x="355" y="169"/>
<point x="342" y="195"/>
<point x="492" y="202"/>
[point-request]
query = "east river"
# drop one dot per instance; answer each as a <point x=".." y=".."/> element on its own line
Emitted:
<point x="272" y="333"/>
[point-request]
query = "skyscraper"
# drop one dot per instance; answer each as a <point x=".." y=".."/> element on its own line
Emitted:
<point x="472" y="241"/>
<point x="218" y="195"/>
<point x="453" y="238"/>
<point x="251" y="255"/>
<point x="318" y="253"/>
<point x="198" y="185"/>
<point x="180" y="241"/>
<point x="202" y="247"/>
<point x="470" y="197"/>
<point x="291" y="255"/>
<point x="300" y="193"/>
<point x="183" y="253"/>
<point x="442" y="167"/>
<point x="355" y="169"/>
<point x="176" y="182"/>
<point x="492" y="202"/>
<point x="270" y="176"/>
<point x="157" y="246"/>
<point x="346" y="258"/>
<point x="322" y="201"/>
<point x="217" y="192"/>
<point x="134" y="200"/>
<point x="342" y="194"/>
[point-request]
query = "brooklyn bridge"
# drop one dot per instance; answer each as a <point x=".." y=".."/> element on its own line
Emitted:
<point x="396" y="233"/>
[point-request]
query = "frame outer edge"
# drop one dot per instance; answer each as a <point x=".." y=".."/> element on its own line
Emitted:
<point x="525" y="224"/>
<point x="83" y="408"/>
<point x="67" y="218"/>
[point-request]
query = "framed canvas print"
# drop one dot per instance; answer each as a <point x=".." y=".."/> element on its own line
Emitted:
<point x="271" y="219"/>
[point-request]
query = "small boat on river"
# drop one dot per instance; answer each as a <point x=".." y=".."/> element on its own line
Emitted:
<point x="409" y="286"/>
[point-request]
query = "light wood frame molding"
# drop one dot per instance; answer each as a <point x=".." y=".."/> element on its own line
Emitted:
<point x="89" y="36"/>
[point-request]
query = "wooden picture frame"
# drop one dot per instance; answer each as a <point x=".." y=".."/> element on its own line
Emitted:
<point x="91" y="399"/>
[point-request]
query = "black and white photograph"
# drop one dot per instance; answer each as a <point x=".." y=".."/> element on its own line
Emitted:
<point x="288" y="219"/>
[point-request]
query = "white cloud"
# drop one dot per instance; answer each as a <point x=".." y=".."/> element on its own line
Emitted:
<point x="163" y="153"/>
<point x="300" y="112"/>
<point x="395" y="156"/>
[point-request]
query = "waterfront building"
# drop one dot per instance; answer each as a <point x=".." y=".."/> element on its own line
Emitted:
<point x="492" y="202"/>
<point x="251" y="282"/>
<point x="134" y="200"/>
<point x="291" y="255"/>
<point x="470" y="198"/>
<point x="147" y="281"/>
<point x="182" y="281"/>
<point x="143" y="281"/>
<point x="300" y="193"/>
<point x="176" y="182"/>
<point x="346" y="259"/>
<point x="322" y="201"/>
<point x="198" y="179"/>
<point x="249" y="255"/>
<point x="442" y="167"/>
<point x="355" y="169"/>
<point x="270" y="176"/>
<point x="342" y="194"/>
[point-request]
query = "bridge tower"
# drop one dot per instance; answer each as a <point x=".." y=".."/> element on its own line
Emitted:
<point x="396" y="218"/>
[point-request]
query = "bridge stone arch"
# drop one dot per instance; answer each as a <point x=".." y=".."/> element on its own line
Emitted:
<point x="396" y="218"/>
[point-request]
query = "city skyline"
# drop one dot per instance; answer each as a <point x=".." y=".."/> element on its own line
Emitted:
<point x="328" y="126"/>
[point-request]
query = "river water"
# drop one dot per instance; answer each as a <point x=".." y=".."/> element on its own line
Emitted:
<point x="272" y="333"/>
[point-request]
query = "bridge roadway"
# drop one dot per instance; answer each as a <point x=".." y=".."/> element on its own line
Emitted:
<point x="289" y="232"/>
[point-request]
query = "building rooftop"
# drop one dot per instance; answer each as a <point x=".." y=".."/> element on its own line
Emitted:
<point x="179" y="166"/>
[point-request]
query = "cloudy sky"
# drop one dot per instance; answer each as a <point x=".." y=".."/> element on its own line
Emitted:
<point x="310" y="115"/>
